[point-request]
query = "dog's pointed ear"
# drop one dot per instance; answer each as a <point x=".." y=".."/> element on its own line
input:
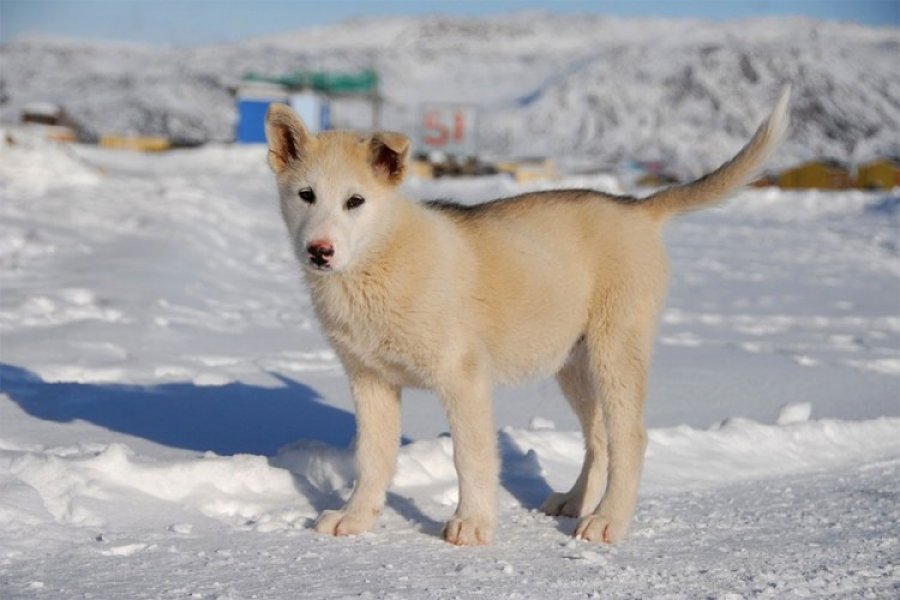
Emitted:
<point x="287" y="136"/>
<point x="388" y="152"/>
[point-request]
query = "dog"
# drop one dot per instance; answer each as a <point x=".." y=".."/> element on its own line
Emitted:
<point x="456" y="299"/>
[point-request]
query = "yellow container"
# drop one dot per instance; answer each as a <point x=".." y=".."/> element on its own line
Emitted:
<point x="135" y="143"/>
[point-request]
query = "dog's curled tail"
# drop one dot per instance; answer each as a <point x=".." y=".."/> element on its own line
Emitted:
<point x="736" y="173"/>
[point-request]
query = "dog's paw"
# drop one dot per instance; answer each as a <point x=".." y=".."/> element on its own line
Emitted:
<point x="469" y="531"/>
<point x="339" y="522"/>
<point x="600" y="528"/>
<point x="559" y="504"/>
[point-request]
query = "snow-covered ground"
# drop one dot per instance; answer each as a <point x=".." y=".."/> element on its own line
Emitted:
<point x="172" y="419"/>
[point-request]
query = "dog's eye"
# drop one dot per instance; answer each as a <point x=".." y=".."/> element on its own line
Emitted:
<point x="355" y="201"/>
<point x="307" y="195"/>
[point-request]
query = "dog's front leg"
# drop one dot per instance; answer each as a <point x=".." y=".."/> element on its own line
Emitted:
<point x="377" y="441"/>
<point x="469" y="410"/>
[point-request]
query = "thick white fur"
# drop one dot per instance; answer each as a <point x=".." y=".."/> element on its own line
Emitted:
<point x="456" y="300"/>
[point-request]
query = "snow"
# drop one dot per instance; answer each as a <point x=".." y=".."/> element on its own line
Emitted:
<point x="800" y="412"/>
<point x="172" y="418"/>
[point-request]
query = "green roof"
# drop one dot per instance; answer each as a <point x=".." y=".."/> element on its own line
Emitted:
<point x="364" y="82"/>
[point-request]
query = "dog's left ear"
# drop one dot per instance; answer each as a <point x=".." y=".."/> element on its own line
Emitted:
<point x="388" y="152"/>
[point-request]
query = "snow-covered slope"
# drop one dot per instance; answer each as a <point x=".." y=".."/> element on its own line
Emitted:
<point x="172" y="418"/>
<point x="565" y="86"/>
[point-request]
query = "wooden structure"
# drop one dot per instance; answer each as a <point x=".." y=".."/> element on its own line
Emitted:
<point x="45" y="113"/>
<point x="50" y="119"/>
<point x="421" y="169"/>
<point x="819" y="174"/>
<point x="529" y="169"/>
<point x="135" y="143"/>
<point x="880" y="174"/>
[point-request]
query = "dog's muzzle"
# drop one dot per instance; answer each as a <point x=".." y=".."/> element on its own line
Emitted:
<point x="320" y="254"/>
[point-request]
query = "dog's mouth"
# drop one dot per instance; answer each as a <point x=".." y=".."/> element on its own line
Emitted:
<point x="320" y="267"/>
<point x="319" y="261"/>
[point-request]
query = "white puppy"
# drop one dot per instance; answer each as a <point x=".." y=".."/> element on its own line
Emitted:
<point x="456" y="299"/>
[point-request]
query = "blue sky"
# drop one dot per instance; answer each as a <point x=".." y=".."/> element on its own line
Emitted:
<point x="194" y="22"/>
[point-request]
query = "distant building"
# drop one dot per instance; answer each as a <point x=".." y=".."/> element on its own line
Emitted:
<point x="825" y="174"/>
<point x="51" y="119"/>
<point x="135" y="143"/>
<point x="528" y="170"/>
<point x="883" y="173"/>
<point x="252" y="103"/>
<point x="309" y="94"/>
<point x="314" y="109"/>
<point x="767" y="179"/>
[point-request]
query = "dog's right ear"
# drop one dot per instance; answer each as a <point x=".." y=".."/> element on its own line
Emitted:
<point x="287" y="136"/>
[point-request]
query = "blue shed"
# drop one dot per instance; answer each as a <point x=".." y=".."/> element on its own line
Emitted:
<point x="252" y="104"/>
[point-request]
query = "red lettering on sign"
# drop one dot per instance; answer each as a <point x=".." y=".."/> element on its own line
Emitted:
<point x="459" y="126"/>
<point x="436" y="132"/>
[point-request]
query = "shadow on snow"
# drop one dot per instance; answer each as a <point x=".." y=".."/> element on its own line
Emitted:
<point x="235" y="418"/>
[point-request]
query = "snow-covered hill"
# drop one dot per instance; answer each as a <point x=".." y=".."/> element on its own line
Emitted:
<point x="565" y="86"/>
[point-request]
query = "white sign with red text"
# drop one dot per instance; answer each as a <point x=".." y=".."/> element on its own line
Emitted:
<point x="447" y="128"/>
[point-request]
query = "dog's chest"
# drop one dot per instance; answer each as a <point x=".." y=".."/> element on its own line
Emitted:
<point x="373" y="332"/>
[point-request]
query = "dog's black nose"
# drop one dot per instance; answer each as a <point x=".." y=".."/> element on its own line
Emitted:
<point x="320" y="253"/>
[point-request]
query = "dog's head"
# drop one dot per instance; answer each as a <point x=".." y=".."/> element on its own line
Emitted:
<point x="336" y="188"/>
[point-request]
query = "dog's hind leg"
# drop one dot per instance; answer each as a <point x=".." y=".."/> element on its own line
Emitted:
<point x="577" y="386"/>
<point x="619" y="362"/>
<point x="377" y="442"/>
